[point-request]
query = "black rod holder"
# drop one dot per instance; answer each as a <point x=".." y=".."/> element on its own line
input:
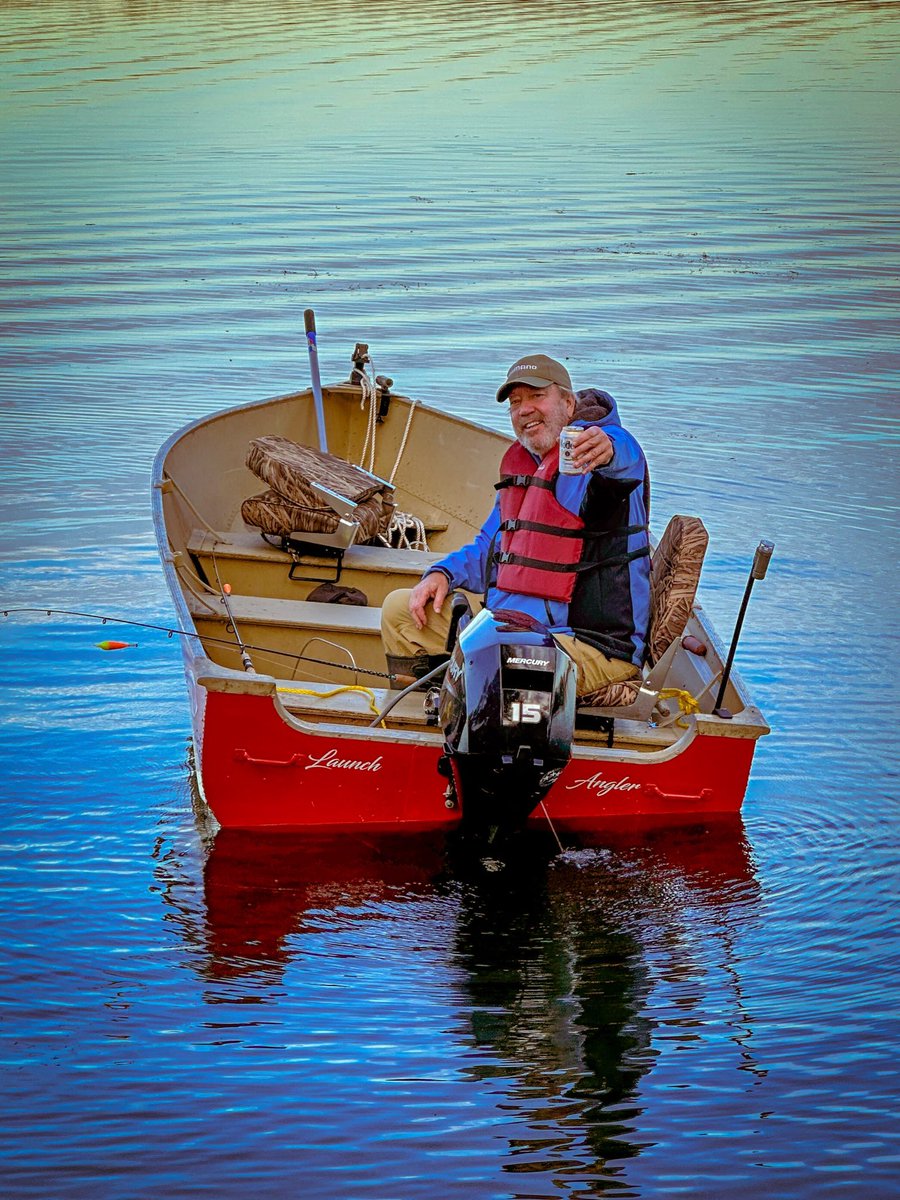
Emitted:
<point x="460" y="614"/>
<point x="761" y="560"/>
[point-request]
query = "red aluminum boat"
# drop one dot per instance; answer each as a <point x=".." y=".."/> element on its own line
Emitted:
<point x="294" y="723"/>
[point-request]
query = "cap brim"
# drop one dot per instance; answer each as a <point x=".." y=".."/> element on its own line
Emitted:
<point x="530" y="381"/>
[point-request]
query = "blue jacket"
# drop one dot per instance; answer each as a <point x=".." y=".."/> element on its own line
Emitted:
<point x="610" y="606"/>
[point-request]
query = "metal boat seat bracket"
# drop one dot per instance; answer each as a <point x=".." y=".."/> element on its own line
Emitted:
<point x="644" y="704"/>
<point x="301" y="543"/>
<point x="307" y="515"/>
<point x="585" y="719"/>
<point x="301" y="550"/>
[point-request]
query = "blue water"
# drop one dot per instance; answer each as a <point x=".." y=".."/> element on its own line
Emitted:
<point x="696" y="206"/>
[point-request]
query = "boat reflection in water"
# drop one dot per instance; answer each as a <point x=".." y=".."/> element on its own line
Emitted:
<point x="262" y="891"/>
<point x="550" y="983"/>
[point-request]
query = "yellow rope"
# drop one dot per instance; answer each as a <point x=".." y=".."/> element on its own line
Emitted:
<point x="349" y="687"/>
<point x="686" y="702"/>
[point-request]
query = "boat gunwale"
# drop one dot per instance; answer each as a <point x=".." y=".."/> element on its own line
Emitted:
<point x="204" y="672"/>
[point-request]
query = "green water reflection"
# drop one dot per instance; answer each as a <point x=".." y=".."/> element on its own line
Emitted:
<point x="269" y="74"/>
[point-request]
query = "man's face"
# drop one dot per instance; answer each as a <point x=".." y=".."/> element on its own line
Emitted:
<point x="538" y="416"/>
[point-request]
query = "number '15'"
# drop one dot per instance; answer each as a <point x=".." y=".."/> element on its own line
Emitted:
<point x="525" y="714"/>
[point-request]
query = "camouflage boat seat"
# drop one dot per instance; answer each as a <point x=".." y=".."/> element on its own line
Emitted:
<point x="315" y="500"/>
<point x="674" y="574"/>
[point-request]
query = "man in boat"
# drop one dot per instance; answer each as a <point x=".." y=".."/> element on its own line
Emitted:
<point x="570" y="550"/>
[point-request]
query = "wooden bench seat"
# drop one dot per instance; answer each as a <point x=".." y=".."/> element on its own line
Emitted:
<point x="249" y="546"/>
<point x="307" y="615"/>
<point x="251" y="565"/>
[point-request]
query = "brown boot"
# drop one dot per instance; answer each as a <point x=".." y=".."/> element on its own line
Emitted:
<point x="405" y="670"/>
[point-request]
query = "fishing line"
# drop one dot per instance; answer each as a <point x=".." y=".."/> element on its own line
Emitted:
<point x="227" y="642"/>
<point x="552" y="827"/>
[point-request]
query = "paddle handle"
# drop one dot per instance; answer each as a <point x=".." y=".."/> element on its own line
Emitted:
<point x="309" y="321"/>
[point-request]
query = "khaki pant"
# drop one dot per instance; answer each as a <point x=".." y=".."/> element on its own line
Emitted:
<point x="401" y="637"/>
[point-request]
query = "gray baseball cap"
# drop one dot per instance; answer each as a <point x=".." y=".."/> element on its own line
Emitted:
<point x="535" y="370"/>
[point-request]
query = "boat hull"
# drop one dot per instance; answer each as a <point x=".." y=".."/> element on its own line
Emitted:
<point x="257" y="771"/>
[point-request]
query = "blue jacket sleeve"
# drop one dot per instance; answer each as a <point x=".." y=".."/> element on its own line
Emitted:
<point x="466" y="566"/>
<point x="628" y="458"/>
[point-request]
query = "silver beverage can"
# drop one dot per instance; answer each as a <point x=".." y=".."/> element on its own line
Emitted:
<point x="567" y="450"/>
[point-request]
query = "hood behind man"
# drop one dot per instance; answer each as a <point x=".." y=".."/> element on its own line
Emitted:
<point x="595" y="407"/>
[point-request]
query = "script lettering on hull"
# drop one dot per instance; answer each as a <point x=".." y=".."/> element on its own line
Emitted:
<point x="330" y="761"/>
<point x="596" y="783"/>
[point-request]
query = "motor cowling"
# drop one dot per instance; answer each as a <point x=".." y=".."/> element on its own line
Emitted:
<point x="507" y="710"/>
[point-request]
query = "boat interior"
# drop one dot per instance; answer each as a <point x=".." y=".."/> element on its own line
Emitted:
<point x="258" y="600"/>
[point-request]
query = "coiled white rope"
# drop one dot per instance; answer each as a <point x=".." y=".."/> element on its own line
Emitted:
<point x="398" y="531"/>
<point x="402" y="524"/>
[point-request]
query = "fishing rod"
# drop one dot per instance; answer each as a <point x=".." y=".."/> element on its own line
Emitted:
<point x="245" y="657"/>
<point x="225" y="593"/>
<point x="171" y="632"/>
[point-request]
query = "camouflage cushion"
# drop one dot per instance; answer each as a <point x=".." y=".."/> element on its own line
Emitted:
<point x="674" y="576"/>
<point x="291" y="506"/>
<point x="274" y="515"/>
<point x="288" y="467"/>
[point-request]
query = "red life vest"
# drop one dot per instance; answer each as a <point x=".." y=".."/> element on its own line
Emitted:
<point x="541" y="540"/>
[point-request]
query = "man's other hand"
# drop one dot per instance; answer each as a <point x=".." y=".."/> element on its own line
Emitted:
<point x="433" y="587"/>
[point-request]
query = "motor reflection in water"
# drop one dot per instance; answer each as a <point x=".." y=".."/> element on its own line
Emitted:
<point x="566" y="969"/>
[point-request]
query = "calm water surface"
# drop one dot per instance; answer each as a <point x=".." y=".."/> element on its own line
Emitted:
<point x="695" y="204"/>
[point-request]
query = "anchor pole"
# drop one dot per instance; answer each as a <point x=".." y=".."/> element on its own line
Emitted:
<point x="309" y="321"/>
<point x="758" y="570"/>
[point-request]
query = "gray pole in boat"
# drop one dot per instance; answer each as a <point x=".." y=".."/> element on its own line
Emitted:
<point x="758" y="571"/>
<point x="309" y="320"/>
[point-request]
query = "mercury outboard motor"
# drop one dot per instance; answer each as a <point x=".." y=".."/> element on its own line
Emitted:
<point x="507" y="709"/>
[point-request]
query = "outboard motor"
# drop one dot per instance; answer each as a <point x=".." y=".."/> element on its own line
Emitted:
<point x="507" y="709"/>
